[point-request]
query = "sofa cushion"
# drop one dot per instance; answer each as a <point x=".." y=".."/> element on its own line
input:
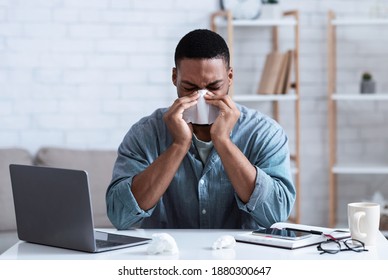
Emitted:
<point x="98" y="164"/>
<point x="7" y="210"/>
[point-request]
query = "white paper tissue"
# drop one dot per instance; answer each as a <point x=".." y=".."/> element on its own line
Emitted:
<point x="224" y="242"/>
<point x="162" y="243"/>
<point x="202" y="113"/>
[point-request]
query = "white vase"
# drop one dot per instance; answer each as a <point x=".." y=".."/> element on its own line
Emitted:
<point x="271" y="11"/>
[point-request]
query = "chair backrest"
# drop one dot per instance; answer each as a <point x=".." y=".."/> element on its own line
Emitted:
<point x="7" y="209"/>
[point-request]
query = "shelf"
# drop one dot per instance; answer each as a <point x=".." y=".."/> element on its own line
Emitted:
<point x="360" y="97"/>
<point x="360" y="21"/>
<point x="259" y="22"/>
<point x="263" y="97"/>
<point x="360" y="169"/>
<point x="290" y="19"/>
<point x="357" y="168"/>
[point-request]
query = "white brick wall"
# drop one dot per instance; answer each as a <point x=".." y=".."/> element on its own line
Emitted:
<point x="80" y="73"/>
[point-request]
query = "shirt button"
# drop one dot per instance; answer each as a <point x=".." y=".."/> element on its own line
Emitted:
<point x="204" y="211"/>
<point x="201" y="182"/>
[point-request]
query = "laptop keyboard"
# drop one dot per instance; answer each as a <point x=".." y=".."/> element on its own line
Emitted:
<point x="105" y="243"/>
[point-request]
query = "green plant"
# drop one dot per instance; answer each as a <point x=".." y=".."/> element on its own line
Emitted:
<point x="270" y="1"/>
<point x="366" y="76"/>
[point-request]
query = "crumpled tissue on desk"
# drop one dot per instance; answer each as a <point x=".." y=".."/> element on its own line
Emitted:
<point x="162" y="243"/>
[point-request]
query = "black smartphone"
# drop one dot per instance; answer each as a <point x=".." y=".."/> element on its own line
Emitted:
<point x="282" y="233"/>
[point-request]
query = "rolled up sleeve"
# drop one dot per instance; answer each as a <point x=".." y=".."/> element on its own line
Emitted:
<point x="122" y="208"/>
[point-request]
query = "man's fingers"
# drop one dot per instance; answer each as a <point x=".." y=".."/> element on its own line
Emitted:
<point x="185" y="102"/>
<point x="222" y="102"/>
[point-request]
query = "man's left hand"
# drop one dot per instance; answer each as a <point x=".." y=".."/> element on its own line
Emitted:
<point x="227" y="118"/>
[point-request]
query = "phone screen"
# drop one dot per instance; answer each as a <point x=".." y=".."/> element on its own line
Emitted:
<point x="282" y="233"/>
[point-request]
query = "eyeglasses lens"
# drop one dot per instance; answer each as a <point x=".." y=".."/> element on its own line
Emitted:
<point x="354" y="245"/>
<point x="331" y="247"/>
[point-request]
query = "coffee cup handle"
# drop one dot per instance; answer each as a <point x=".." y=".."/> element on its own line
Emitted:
<point x="356" y="221"/>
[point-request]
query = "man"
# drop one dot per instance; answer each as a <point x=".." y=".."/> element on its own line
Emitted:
<point x="233" y="173"/>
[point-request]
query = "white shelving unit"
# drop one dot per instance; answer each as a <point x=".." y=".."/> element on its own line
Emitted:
<point x="263" y="97"/>
<point x="334" y="98"/>
<point x="224" y="19"/>
<point x="359" y="21"/>
<point x="358" y="97"/>
<point x="361" y="169"/>
<point x="258" y="22"/>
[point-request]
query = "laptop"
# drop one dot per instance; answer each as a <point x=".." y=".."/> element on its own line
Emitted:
<point x="53" y="207"/>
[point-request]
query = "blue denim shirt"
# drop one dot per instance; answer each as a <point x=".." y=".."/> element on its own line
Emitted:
<point x="201" y="195"/>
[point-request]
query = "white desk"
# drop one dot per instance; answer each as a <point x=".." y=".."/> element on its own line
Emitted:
<point x="193" y="245"/>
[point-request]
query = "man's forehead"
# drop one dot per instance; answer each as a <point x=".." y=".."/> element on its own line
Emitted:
<point x="199" y="61"/>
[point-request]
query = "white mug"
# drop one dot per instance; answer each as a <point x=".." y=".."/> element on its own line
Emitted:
<point x="364" y="221"/>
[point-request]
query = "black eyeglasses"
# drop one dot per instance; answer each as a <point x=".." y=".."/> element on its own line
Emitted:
<point x="332" y="246"/>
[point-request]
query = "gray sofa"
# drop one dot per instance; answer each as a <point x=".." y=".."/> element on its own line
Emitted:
<point x="98" y="164"/>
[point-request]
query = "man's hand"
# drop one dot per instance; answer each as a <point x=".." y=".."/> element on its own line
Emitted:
<point x="229" y="114"/>
<point x="181" y="132"/>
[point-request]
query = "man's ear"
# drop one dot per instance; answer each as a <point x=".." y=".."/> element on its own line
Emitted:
<point x="174" y="75"/>
<point x="230" y="76"/>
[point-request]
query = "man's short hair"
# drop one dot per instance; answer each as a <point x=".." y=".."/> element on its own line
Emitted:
<point x="202" y="44"/>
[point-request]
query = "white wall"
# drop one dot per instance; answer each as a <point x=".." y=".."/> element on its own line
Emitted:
<point x="80" y="73"/>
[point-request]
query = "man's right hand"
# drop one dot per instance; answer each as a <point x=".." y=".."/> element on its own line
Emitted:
<point x="181" y="131"/>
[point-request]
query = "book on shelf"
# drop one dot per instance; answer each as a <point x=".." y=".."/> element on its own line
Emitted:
<point x="286" y="81"/>
<point x="275" y="77"/>
<point x="313" y="239"/>
<point x="271" y="70"/>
